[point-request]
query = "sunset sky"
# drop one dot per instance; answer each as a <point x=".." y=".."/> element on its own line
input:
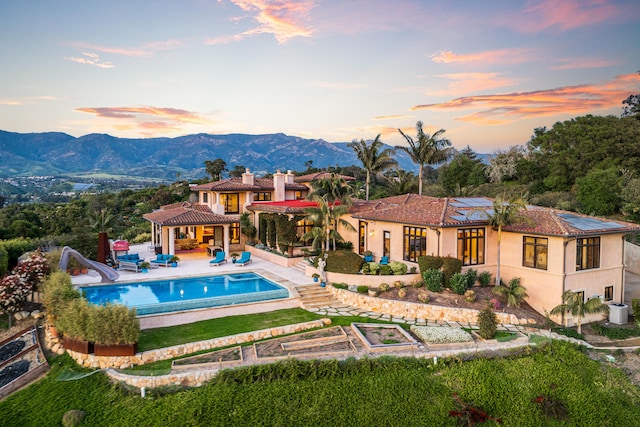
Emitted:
<point x="489" y="72"/>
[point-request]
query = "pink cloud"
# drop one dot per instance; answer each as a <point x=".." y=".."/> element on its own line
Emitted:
<point x="504" y="108"/>
<point x="472" y="82"/>
<point x="503" y="56"/>
<point x="393" y="117"/>
<point x="561" y="15"/>
<point x="148" y="118"/>
<point x="285" y="19"/>
<point x="582" y="63"/>
<point x="90" y="59"/>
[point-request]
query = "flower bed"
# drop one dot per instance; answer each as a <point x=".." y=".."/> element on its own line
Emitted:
<point x="441" y="335"/>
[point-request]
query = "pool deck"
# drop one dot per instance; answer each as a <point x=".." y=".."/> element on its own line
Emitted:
<point x="197" y="264"/>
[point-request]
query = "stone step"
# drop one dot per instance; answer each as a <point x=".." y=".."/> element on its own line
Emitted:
<point x="315" y="296"/>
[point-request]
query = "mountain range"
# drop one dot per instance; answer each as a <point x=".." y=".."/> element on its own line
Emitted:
<point x="55" y="153"/>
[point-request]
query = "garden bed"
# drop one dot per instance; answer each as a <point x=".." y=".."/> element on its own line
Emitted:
<point x="225" y="357"/>
<point x="381" y="336"/>
<point x="331" y="341"/>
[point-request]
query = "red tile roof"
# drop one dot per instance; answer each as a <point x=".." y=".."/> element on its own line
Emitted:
<point x="412" y="209"/>
<point x="284" y="207"/>
<point x="320" y="175"/>
<point x="235" y="184"/>
<point x="182" y="214"/>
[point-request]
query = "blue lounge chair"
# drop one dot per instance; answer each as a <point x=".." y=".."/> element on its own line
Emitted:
<point x="384" y="260"/>
<point x="219" y="259"/>
<point x="245" y="258"/>
<point x="162" y="259"/>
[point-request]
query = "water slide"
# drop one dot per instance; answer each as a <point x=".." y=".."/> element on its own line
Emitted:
<point x="108" y="274"/>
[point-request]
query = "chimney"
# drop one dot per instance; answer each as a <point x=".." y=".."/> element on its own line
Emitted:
<point x="289" y="177"/>
<point x="247" y="177"/>
<point x="278" y="186"/>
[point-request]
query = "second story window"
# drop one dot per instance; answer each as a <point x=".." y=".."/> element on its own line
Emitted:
<point x="205" y="197"/>
<point x="262" y="196"/>
<point x="231" y="202"/>
<point x="587" y="253"/>
<point x="534" y="252"/>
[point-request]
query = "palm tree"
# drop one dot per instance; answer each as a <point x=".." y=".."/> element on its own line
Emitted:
<point x="573" y="303"/>
<point x="326" y="218"/>
<point x="400" y="182"/>
<point x="426" y="149"/>
<point x="373" y="160"/>
<point x="514" y="293"/>
<point x="334" y="187"/>
<point x="505" y="211"/>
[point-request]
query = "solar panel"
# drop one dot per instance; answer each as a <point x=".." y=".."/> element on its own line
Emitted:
<point x="589" y="224"/>
<point x="472" y="215"/>
<point x="472" y="202"/>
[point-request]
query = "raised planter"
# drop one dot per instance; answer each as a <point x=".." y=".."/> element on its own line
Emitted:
<point x="79" y="346"/>
<point x="115" y="349"/>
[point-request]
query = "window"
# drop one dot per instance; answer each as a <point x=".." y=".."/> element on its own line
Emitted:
<point x="534" y="252"/>
<point x="303" y="227"/>
<point x="580" y="295"/>
<point x="262" y="196"/>
<point x="362" y="237"/>
<point x="231" y="202"/>
<point x="234" y="232"/>
<point x="205" y="197"/>
<point x="386" y="243"/>
<point x="608" y="293"/>
<point x="471" y="246"/>
<point x="414" y="243"/>
<point x="587" y="253"/>
<point x="298" y="195"/>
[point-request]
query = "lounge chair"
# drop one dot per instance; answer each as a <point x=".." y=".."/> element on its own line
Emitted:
<point x="219" y="259"/>
<point x="245" y="258"/>
<point x="384" y="260"/>
<point x="162" y="259"/>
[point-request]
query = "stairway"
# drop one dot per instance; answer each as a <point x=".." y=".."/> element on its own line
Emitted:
<point x="315" y="296"/>
<point x="301" y="266"/>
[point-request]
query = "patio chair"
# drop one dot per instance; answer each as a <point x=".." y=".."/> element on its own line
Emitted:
<point x="245" y="258"/>
<point x="219" y="259"/>
<point x="384" y="260"/>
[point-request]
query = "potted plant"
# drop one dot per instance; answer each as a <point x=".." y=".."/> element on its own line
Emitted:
<point x="115" y="330"/>
<point x="144" y="266"/>
<point x="74" y="324"/>
<point x="57" y="293"/>
<point x="368" y="256"/>
<point x="174" y="261"/>
<point x="315" y="276"/>
<point x="234" y="256"/>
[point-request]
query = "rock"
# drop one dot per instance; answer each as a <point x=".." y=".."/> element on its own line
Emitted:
<point x="37" y="314"/>
<point x="21" y="315"/>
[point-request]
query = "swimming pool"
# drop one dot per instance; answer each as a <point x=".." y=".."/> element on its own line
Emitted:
<point x="163" y="296"/>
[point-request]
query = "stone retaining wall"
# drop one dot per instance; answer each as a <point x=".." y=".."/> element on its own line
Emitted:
<point x="371" y="280"/>
<point x="273" y="258"/>
<point x="417" y="310"/>
<point x="122" y="362"/>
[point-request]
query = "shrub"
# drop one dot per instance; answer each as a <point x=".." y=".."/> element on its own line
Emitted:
<point x="402" y="293"/>
<point x="470" y="295"/>
<point x="514" y="293"/>
<point x="374" y="267"/>
<point x="385" y="270"/>
<point x="429" y="262"/>
<point x="343" y="262"/>
<point x="4" y="261"/>
<point x="398" y="268"/>
<point x="450" y="266"/>
<point x="57" y="293"/>
<point x="488" y="322"/>
<point x="496" y="304"/>
<point x="440" y="335"/>
<point x="113" y="324"/>
<point x="458" y="283"/>
<point x="141" y="238"/>
<point x="384" y="287"/>
<point x="341" y="286"/>
<point x="423" y="297"/>
<point x="365" y="268"/>
<point x="417" y="283"/>
<point x="16" y="248"/>
<point x="53" y="258"/>
<point x="484" y="278"/>
<point x="74" y="319"/>
<point x="73" y="418"/>
<point x="363" y="289"/>
<point x="398" y="284"/>
<point x="433" y="280"/>
<point x="635" y="307"/>
<point x="471" y="276"/>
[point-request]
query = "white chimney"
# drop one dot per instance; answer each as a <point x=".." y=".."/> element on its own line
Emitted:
<point x="247" y="177"/>
<point x="289" y="177"/>
<point x="278" y="186"/>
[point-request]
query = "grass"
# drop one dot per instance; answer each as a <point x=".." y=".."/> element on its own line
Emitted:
<point x="370" y="391"/>
<point x="615" y="333"/>
<point x="151" y="339"/>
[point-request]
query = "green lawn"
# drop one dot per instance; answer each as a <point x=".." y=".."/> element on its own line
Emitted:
<point x="368" y="392"/>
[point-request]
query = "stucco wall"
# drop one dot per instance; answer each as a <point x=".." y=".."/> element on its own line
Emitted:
<point x="632" y="257"/>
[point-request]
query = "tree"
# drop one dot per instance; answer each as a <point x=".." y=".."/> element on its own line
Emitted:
<point x="326" y="218"/>
<point x="101" y="220"/>
<point x="247" y="228"/>
<point x="504" y="164"/>
<point x="334" y="187"/>
<point x="599" y="191"/>
<point x="426" y="149"/>
<point x="573" y="303"/>
<point x="631" y="106"/>
<point x="514" y="293"/>
<point x="373" y="160"/>
<point x="463" y="171"/>
<point x="13" y="294"/>
<point x="401" y="182"/>
<point x="505" y="211"/>
<point x="215" y="168"/>
<point x="237" y="171"/>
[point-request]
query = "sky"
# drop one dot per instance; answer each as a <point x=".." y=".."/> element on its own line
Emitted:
<point x="488" y="72"/>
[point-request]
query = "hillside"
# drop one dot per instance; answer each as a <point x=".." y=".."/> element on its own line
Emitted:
<point x="53" y="153"/>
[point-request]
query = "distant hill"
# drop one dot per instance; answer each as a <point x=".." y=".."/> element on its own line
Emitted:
<point x="53" y="153"/>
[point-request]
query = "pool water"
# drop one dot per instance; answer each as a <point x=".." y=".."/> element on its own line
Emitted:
<point x="165" y="296"/>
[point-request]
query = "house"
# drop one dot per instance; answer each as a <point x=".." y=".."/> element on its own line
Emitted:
<point x="214" y="220"/>
<point x="551" y="252"/>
